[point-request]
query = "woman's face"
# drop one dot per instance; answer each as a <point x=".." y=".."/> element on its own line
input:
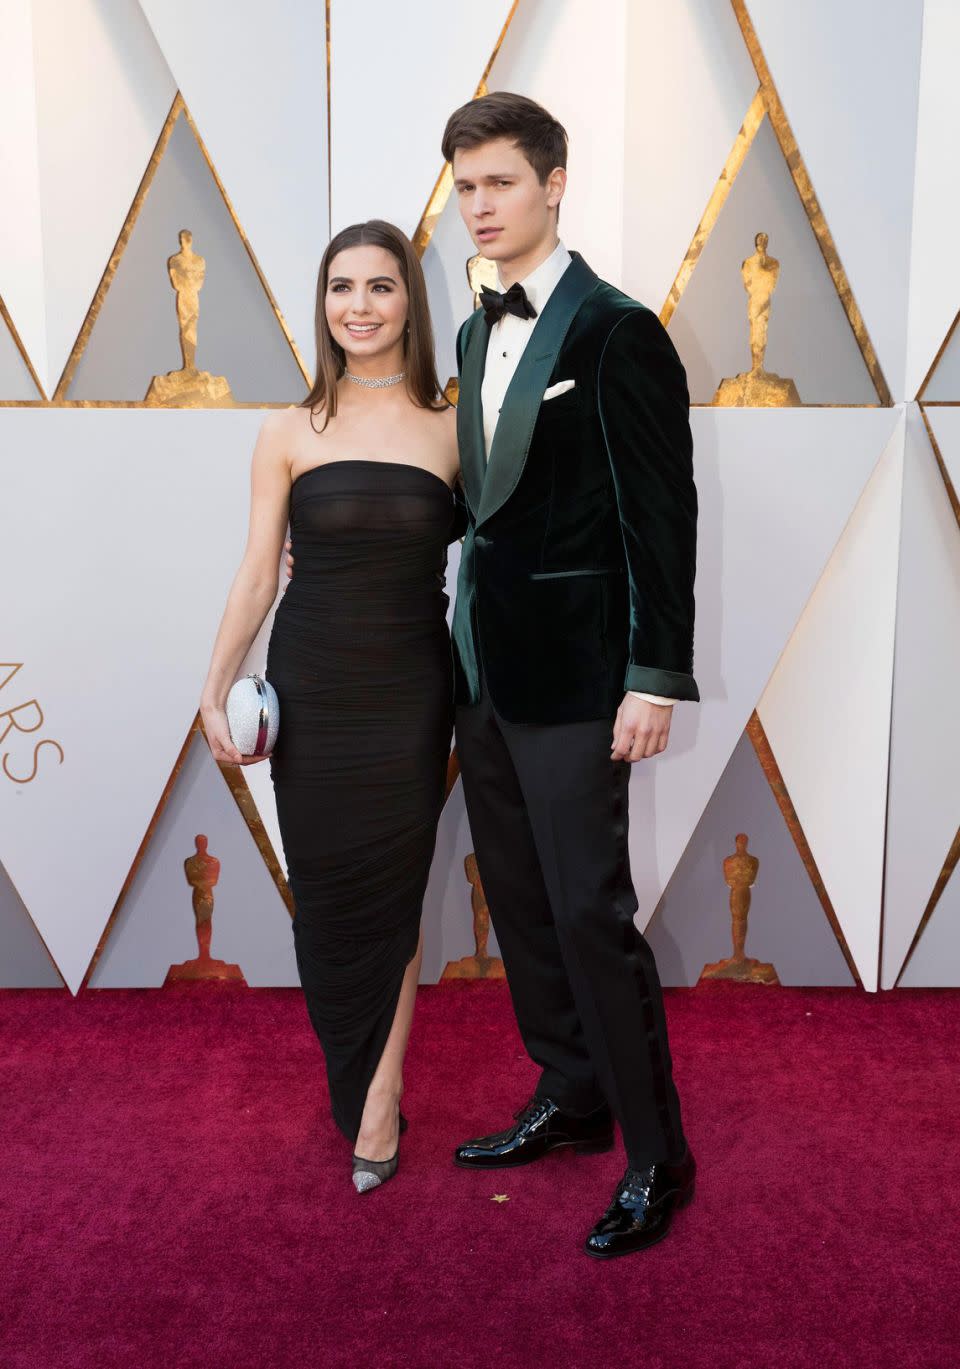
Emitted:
<point x="366" y="302"/>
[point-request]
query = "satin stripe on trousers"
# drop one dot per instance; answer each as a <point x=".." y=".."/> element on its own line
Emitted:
<point x="548" y="812"/>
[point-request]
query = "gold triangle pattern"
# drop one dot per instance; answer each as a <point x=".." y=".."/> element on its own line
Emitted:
<point x="238" y="788"/>
<point x="60" y="395"/>
<point x="767" y="102"/>
<point x="718" y="198"/>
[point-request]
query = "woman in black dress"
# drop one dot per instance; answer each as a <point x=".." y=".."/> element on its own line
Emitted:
<point x="360" y="658"/>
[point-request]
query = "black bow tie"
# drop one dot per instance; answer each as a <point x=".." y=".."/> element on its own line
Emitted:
<point x="512" y="301"/>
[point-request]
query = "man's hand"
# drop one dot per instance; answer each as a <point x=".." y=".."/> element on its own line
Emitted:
<point x="640" y="729"/>
<point x="288" y="548"/>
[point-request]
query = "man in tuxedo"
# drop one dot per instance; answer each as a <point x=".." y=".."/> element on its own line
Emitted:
<point x="573" y="636"/>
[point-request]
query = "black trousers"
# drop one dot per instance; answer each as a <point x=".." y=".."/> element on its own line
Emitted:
<point x="548" y="813"/>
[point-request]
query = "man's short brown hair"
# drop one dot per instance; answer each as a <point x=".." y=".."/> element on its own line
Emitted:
<point x="534" y="130"/>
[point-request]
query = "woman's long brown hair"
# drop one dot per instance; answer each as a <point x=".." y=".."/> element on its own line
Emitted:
<point x="422" y="383"/>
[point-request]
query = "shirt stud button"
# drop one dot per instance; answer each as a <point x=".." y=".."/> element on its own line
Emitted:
<point x="504" y="354"/>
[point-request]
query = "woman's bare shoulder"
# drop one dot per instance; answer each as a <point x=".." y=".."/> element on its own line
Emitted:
<point x="279" y="438"/>
<point x="283" y="423"/>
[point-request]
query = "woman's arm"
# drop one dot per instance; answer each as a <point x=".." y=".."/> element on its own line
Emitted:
<point x="255" y="585"/>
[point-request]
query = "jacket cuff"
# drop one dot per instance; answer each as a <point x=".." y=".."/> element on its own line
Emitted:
<point x="668" y="683"/>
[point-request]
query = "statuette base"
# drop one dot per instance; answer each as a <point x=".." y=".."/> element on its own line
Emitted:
<point x="189" y="388"/>
<point x="193" y="971"/>
<point x="757" y="390"/>
<point x="475" y="967"/>
<point x="743" y="971"/>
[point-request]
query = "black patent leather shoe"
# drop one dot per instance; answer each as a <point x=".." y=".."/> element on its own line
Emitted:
<point x="642" y="1208"/>
<point x="540" y="1127"/>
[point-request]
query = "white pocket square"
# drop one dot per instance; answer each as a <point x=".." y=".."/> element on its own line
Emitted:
<point x="561" y="388"/>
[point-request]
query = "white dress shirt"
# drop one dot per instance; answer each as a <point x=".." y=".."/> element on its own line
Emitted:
<point x="505" y="346"/>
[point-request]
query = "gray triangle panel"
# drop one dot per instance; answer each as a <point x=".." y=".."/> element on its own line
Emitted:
<point x="16" y="382"/>
<point x="156" y="926"/>
<point x="136" y="333"/>
<point x="787" y="926"/>
<point x="809" y="338"/>
<point x="943" y="387"/>
<point x="24" y="960"/>
<point x="935" y="963"/>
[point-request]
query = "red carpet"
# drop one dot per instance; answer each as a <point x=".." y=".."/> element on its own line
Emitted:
<point x="171" y="1193"/>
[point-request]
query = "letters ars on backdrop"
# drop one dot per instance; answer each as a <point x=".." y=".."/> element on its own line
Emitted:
<point x="23" y="718"/>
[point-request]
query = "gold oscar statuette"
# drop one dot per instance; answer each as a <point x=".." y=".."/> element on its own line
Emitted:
<point x="188" y="388"/>
<point x="481" y="272"/>
<point x="202" y="871"/>
<point x="479" y="965"/>
<point x="758" y="388"/>
<point x="740" y="873"/>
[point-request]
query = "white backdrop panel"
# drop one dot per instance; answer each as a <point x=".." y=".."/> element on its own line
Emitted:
<point x="848" y="76"/>
<point x="256" y="86"/>
<point x="451" y="299"/>
<point x="924" y="802"/>
<point x="776" y="489"/>
<point x="395" y="76"/>
<point x="690" y="84"/>
<point x="935" y="266"/>
<point x="570" y="56"/>
<point x="143" y="523"/>
<point x="103" y="92"/>
<point x="21" y="251"/>
<point x="826" y="710"/>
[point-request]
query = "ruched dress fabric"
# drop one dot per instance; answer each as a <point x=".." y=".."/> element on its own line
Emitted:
<point x="360" y="658"/>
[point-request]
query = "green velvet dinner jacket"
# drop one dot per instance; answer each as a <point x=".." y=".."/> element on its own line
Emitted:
<point x="578" y="563"/>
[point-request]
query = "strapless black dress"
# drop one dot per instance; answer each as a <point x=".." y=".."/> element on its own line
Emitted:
<point x="360" y="658"/>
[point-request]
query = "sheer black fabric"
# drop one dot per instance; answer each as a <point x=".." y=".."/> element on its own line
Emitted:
<point x="360" y="659"/>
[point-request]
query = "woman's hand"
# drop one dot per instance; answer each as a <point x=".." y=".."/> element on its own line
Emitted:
<point x="217" y="732"/>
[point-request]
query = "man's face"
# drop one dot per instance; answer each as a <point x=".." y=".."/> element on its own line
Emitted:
<point x="508" y="213"/>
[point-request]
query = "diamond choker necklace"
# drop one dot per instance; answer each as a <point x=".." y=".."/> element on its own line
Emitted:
<point x="376" y="382"/>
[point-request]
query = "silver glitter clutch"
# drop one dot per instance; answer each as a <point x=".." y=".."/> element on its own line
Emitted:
<point x="253" y="715"/>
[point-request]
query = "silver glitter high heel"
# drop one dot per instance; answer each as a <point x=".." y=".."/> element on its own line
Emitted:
<point x="370" y="1174"/>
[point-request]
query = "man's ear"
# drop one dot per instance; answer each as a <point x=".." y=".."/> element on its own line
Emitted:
<point x="556" y="185"/>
